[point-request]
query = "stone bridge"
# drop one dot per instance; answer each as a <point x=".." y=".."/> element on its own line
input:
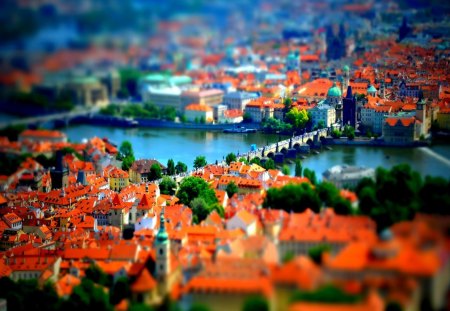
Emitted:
<point x="288" y="148"/>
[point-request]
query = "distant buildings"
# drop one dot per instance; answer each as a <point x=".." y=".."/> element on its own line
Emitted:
<point x="199" y="113"/>
<point x="344" y="176"/>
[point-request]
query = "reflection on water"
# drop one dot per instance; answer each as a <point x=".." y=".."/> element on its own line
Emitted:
<point x="184" y="145"/>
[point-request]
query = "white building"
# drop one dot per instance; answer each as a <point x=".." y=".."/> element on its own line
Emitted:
<point x="323" y="112"/>
<point x="344" y="176"/>
<point x="238" y="100"/>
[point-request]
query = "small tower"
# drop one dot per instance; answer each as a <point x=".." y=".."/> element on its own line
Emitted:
<point x="372" y="91"/>
<point x="60" y="174"/>
<point x="162" y="246"/>
<point x="346" y="71"/>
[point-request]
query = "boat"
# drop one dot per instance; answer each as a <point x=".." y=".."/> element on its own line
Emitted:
<point x="315" y="152"/>
<point x="239" y="130"/>
<point x="328" y="148"/>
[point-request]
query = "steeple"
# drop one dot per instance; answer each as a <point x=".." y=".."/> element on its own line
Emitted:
<point x="162" y="237"/>
<point x="349" y="92"/>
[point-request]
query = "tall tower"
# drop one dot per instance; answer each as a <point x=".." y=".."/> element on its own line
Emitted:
<point x="343" y="41"/>
<point x="162" y="246"/>
<point x="346" y="71"/>
<point x="60" y="174"/>
<point x="349" y="108"/>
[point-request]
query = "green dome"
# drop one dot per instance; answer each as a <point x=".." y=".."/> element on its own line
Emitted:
<point x="334" y="91"/>
<point x="371" y="89"/>
<point x="346" y="68"/>
<point x="162" y="237"/>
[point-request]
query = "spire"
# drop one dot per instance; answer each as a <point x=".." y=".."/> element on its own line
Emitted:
<point x="349" y="92"/>
<point x="162" y="237"/>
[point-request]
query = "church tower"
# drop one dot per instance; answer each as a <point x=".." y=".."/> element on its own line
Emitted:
<point x="60" y="174"/>
<point x="162" y="246"/>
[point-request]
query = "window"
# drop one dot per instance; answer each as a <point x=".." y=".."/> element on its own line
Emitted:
<point x="161" y="251"/>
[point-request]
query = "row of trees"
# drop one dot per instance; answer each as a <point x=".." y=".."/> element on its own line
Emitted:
<point x="348" y="132"/>
<point x="294" y="119"/>
<point x="399" y="193"/>
<point x="146" y="110"/>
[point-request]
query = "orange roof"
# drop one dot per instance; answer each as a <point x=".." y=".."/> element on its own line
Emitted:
<point x="65" y="285"/>
<point x="392" y="121"/>
<point x="144" y="283"/>
<point x="198" y="107"/>
<point x="42" y="133"/>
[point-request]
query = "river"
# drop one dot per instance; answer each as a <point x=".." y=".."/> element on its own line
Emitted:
<point x="185" y="145"/>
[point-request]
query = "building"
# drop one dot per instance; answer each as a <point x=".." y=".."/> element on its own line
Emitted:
<point x="345" y="176"/>
<point x="163" y="97"/>
<point x="443" y="119"/>
<point x="238" y="100"/>
<point x="401" y="130"/>
<point x="42" y="136"/>
<point x="60" y="174"/>
<point x="199" y="113"/>
<point x="373" y="115"/>
<point x="349" y="108"/>
<point x="408" y="89"/>
<point x="140" y="170"/>
<point x="324" y="114"/>
<point x="210" y="97"/>
<point x="118" y="179"/>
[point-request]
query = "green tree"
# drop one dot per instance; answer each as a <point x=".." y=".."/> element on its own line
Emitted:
<point x="198" y="307"/>
<point x="169" y="113"/>
<point x="328" y="193"/>
<point x="255" y="303"/>
<point x="126" y="155"/>
<point x="167" y="186"/>
<point x="311" y="175"/>
<point x="87" y="296"/>
<point x="231" y="189"/>
<point x="287" y="104"/>
<point x="349" y="132"/>
<point x="155" y="172"/>
<point x="286" y="170"/>
<point x="256" y="161"/>
<point x="435" y="196"/>
<point x="269" y="164"/>
<point x="119" y="291"/>
<point x="293" y="197"/>
<point x="342" y="206"/>
<point x="193" y="187"/>
<point x="393" y="306"/>
<point x="298" y="118"/>
<point x="200" y="161"/>
<point x="243" y="160"/>
<point x="298" y="168"/>
<point x="200" y="209"/>
<point x="321" y="124"/>
<point x="335" y="133"/>
<point x="170" y="167"/>
<point x="97" y="275"/>
<point x="288" y="256"/>
<point x="180" y="167"/>
<point x="247" y="118"/>
<point x="315" y="252"/>
<point x="12" y="131"/>
<point x="326" y="294"/>
<point x="231" y="157"/>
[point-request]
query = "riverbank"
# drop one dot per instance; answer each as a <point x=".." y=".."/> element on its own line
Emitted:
<point x="101" y="120"/>
<point x="372" y="142"/>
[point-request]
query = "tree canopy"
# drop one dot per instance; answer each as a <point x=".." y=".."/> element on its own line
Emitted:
<point x="170" y="167"/>
<point x="180" y="167"/>
<point x="155" y="172"/>
<point x="293" y="197"/>
<point x="231" y="189"/>
<point x="126" y="155"/>
<point x="297" y="118"/>
<point x="167" y="186"/>
<point x="397" y="194"/>
<point x="193" y="187"/>
<point x="199" y="162"/>
<point x="231" y="157"/>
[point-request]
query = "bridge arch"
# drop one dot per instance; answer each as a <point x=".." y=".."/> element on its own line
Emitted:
<point x="309" y="141"/>
<point x="284" y="150"/>
<point x="271" y="154"/>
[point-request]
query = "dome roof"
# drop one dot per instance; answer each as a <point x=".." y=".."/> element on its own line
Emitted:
<point x="334" y="91"/>
<point x="371" y="89"/>
<point x="346" y="68"/>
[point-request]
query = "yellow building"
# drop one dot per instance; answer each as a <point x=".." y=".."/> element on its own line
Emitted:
<point x="118" y="179"/>
<point x="197" y="112"/>
<point x="443" y="119"/>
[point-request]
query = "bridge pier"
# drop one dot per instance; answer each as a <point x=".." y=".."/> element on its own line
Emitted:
<point x="279" y="157"/>
<point x="292" y="153"/>
<point x="304" y="148"/>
